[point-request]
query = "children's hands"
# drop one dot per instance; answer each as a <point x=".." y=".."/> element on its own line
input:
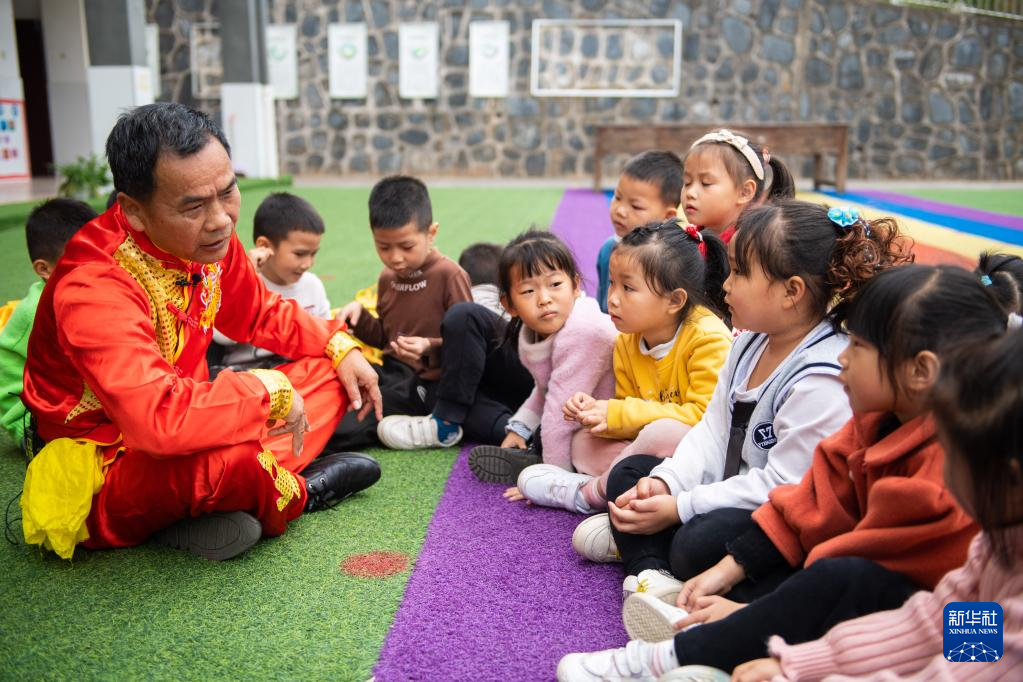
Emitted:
<point x="410" y="349"/>
<point x="513" y="494"/>
<point x="295" y="423"/>
<point x="708" y="610"/>
<point x="259" y="255"/>
<point x="362" y="385"/>
<point x="645" y="516"/>
<point x="718" y="579"/>
<point x="350" y="314"/>
<point x="514" y="440"/>
<point x="759" y="670"/>
<point x="595" y="418"/>
<point x="578" y="403"/>
<point x="649" y="486"/>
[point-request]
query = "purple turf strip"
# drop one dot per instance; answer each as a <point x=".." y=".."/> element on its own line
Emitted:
<point x="498" y="593"/>
<point x="583" y="221"/>
<point x="975" y="215"/>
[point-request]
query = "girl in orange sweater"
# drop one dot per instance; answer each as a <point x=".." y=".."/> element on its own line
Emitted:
<point x="869" y="524"/>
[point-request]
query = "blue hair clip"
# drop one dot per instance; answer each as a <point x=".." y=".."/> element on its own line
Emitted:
<point x="985" y="280"/>
<point x="844" y="216"/>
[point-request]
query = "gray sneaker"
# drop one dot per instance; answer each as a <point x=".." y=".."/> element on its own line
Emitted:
<point x="494" y="464"/>
<point x="217" y="536"/>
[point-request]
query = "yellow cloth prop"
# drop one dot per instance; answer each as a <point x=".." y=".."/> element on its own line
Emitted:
<point x="59" y="486"/>
<point x="6" y="311"/>
<point x="368" y="298"/>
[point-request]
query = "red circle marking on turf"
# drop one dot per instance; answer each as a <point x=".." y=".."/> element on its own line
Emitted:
<point x="374" y="564"/>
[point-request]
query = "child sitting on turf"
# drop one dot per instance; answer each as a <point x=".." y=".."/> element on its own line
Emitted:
<point x="978" y="410"/>
<point x="647" y="192"/>
<point x="49" y="227"/>
<point x="287" y="231"/>
<point x="482" y="380"/>
<point x="872" y="521"/>
<point x="416" y="287"/>
<point x="723" y="175"/>
<point x="665" y="298"/>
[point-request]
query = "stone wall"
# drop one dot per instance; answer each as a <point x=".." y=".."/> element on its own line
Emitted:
<point x="927" y="93"/>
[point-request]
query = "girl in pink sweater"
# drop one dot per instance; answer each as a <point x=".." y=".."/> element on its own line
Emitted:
<point x="978" y="406"/>
<point x="565" y="342"/>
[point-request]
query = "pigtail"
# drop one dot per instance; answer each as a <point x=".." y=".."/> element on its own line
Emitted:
<point x="716" y="259"/>
<point x="782" y="185"/>
<point x="862" y="250"/>
<point x="1002" y="274"/>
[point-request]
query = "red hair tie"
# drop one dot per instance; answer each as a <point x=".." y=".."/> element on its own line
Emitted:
<point x="697" y="236"/>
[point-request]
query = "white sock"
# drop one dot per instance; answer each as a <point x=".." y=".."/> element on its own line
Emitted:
<point x="662" y="656"/>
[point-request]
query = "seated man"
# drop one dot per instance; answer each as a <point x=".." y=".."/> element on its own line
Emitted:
<point x="139" y="442"/>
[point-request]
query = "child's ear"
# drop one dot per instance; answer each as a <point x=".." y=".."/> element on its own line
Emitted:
<point x="431" y="232"/>
<point x="670" y="212"/>
<point x="747" y="190"/>
<point x="43" y="268"/>
<point x="922" y="371"/>
<point x="795" y="290"/>
<point x="264" y="243"/>
<point x="506" y="304"/>
<point x="677" y="300"/>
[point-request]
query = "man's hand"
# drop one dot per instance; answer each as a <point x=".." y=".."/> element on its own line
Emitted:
<point x="718" y="579"/>
<point x="259" y="255"/>
<point x="295" y="423"/>
<point x="580" y="402"/>
<point x="514" y="440"/>
<point x="350" y="314"/>
<point x="410" y="349"/>
<point x="645" y="516"/>
<point x="759" y="670"/>
<point x="709" y="610"/>
<point x="361" y="384"/>
<point x="595" y="418"/>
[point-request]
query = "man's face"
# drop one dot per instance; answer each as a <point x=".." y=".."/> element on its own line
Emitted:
<point x="193" y="210"/>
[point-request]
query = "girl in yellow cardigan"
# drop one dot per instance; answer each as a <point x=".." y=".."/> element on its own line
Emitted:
<point x="665" y="298"/>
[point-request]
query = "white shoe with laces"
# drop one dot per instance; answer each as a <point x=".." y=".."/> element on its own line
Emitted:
<point x="648" y="618"/>
<point x="634" y="661"/>
<point x="659" y="583"/>
<point x="551" y="486"/>
<point x="592" y="539"/>
<point x="400" y="432"/>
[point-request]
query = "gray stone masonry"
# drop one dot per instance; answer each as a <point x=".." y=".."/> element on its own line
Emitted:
<point x="927" y="93"/>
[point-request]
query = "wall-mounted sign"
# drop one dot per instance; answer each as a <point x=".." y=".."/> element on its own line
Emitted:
<point x="282" y="59"/>
<point x="488" y="59"/>
<point x="417" y="64"/>
<point x="346" y="47"/>
<point x="14" y="161"/>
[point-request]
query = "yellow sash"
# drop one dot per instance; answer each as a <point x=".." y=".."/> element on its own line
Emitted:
<point x="59" y="486"/>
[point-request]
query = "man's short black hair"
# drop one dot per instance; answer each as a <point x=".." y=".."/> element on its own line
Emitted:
<point x="51" y="224"/>
<point x="480" y="262"/>
<point x="282" y="213"/>
<point x="142" y="134"/>
<point x="661" y="169"/>
<point x="398" y="200"/>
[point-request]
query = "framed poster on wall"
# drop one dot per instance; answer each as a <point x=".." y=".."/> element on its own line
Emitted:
<point x="488" y="59"/>
<point x="346" y="47"/>
<point x="417" y="63"/>
<point x="14" y="161"/>
<point x="282" y="59"/>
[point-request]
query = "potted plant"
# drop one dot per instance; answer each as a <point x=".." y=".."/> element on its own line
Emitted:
<point x="85" y="178"/>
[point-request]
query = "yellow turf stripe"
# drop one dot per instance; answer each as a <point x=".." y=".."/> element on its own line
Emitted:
<point x="937" y="236"/>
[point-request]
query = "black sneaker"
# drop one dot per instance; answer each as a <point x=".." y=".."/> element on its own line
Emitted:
<point x="331" y="478"/>
<point x="494" y="464"/>
<point x="217" y="536"/>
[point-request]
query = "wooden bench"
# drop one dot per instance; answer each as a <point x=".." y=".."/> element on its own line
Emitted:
<point x="815" y="139"/>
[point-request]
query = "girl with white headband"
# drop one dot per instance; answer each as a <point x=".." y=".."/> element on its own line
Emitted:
<point x="724" y="173"/>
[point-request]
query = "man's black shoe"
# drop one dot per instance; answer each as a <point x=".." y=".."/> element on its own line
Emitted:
<point x="215" y="536"/>
<point x="331" y="478"/>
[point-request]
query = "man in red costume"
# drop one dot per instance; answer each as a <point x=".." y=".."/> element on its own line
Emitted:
<point x="117" y="381"/>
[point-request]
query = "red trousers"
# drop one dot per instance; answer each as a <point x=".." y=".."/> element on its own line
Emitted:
<point x="142" y="494"/>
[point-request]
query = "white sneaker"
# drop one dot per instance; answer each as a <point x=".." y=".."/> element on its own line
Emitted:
<point x="631" y="662"/>
<point x="648" y="618"/>
<point x="695" y="673"/>
<point x="660" y="584"/>
<point x="400" y="432"/>
<point x="592" y="540"/>
<point x="551" y="486"/>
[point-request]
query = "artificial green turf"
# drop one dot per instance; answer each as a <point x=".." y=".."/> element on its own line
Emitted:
<point x="1008" y="201"/>
<point x="347" y="261"/>
<point x="283" y="610"/>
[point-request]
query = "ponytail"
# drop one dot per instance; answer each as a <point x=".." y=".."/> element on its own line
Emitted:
<point x="1003" y="274"/>
<point x="782" y="185"/>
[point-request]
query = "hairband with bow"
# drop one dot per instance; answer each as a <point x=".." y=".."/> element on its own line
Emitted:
<point x="696" y="236"/>
<point x="741" y="145"/>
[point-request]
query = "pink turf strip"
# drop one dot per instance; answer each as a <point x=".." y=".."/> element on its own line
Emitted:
<point x="498" y="593"/>
<point x="583" y="221"/>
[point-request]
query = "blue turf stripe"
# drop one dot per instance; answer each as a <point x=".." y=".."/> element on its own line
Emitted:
<point x="996" y="232"/>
